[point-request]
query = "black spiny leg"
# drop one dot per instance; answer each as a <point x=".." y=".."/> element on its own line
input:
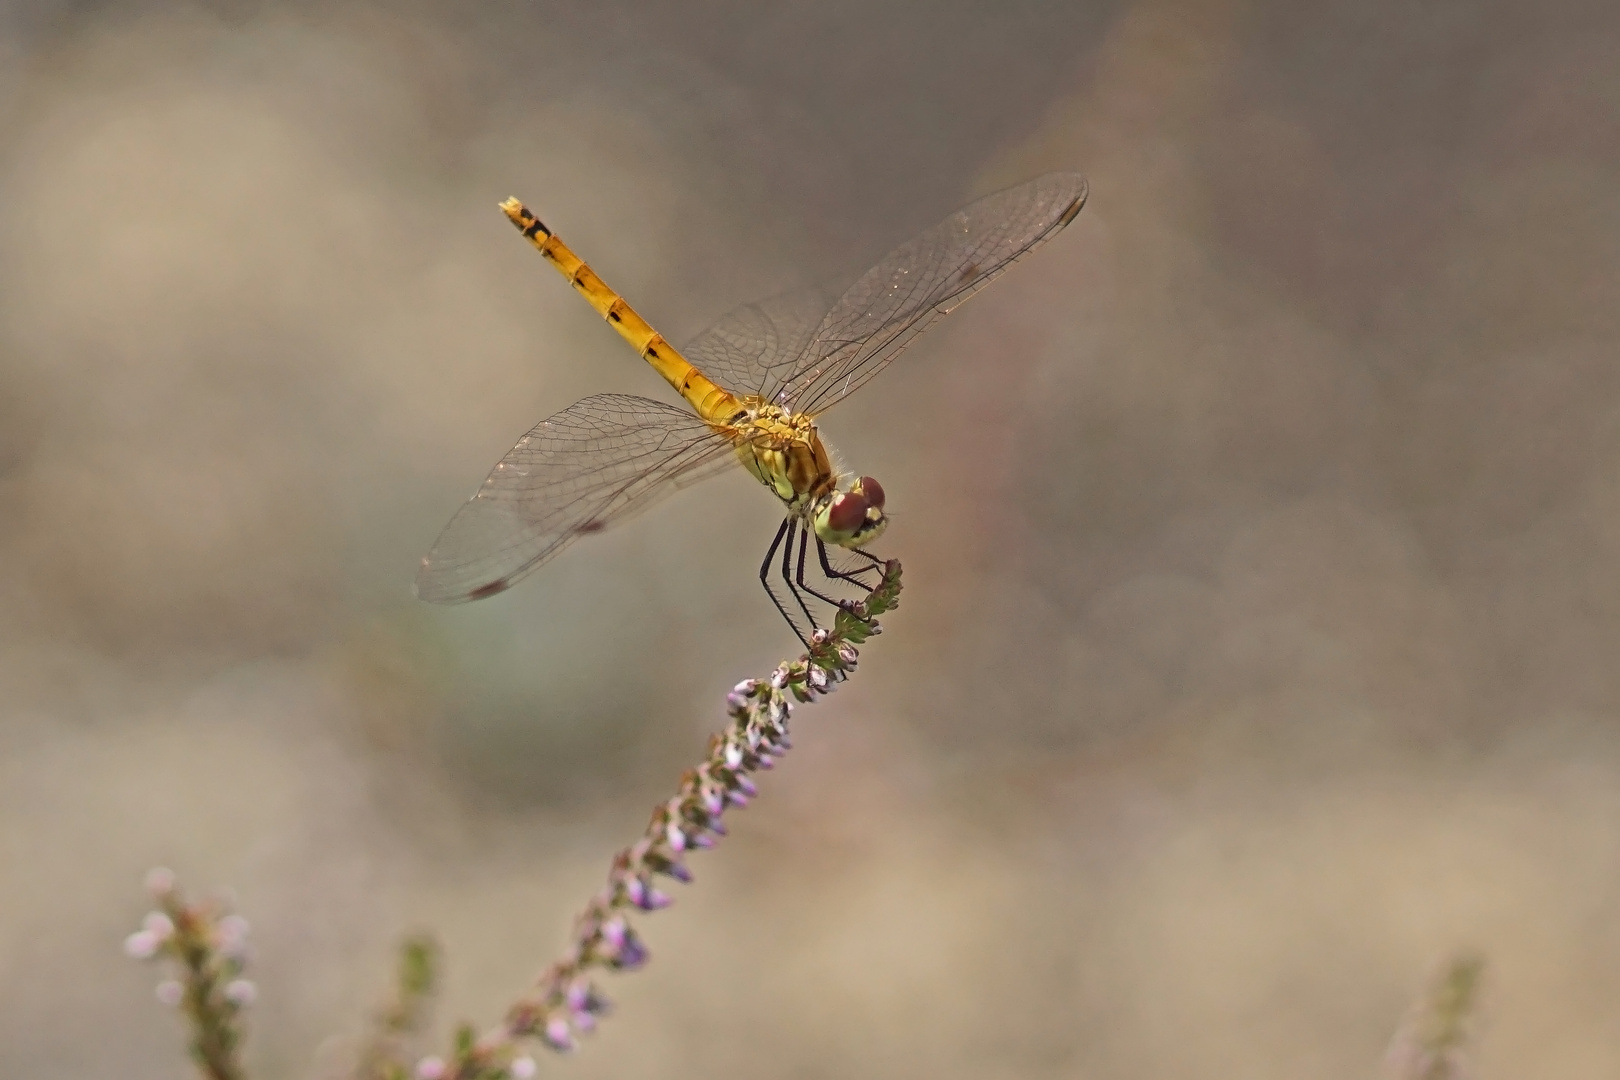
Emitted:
<point x="821" y="548"/>
<point x="787" y="575"/>
<point x="852" y="576"/>
<point x="765" y="580"/>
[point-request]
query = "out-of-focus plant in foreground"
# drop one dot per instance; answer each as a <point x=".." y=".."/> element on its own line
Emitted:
<point x="565" y="1001"/>
<point x="1434" y="1040"/>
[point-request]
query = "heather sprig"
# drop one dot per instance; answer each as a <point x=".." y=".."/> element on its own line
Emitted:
<point x="565" y="1001"/>
<point x="206" y="946"/>
<point x="384" y="1056"/>
<point x="1434" y="1039"/>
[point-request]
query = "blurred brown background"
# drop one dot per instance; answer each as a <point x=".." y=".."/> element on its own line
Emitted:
<point x="1262" y="532"/>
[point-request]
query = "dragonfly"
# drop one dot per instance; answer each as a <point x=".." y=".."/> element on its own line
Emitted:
<point x="754" y="385"/>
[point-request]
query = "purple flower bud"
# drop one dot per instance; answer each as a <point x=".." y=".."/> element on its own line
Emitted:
<point x="746" y="688"/>
<point x="576" y="994"/>
<point x="170" y="992"/>
<point x="522" y="1068"/>
<point x="847" y="654"/>
<point x="158" y="925"/>
<point x="583" y="1022"/>
<point x="818" y="679"/>
<point x="746" y="786"/>
<point x="557" y="1036"/>
<point x="733" y="755"/>
<point x="779" y="678"/>
<point x="677" y="839"/>
<point x="631" y="955"/>
<point x="819" y="637"/>
<point x="241" y="993"/>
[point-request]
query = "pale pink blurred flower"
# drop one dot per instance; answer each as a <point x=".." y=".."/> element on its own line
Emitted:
<point x="142" y="945"/>
<point x="160" y="881"/>
<point x="241" y="992"/>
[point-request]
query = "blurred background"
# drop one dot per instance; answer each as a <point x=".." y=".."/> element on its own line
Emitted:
<point x="1261" y="532"/>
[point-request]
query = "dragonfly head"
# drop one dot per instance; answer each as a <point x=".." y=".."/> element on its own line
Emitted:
<point x="851" y="518"/>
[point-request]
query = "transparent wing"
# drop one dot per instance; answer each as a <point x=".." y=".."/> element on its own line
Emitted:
<point x="596" y="462"/>
<point x="757" y="347"/>
<point x="922" y="279"/>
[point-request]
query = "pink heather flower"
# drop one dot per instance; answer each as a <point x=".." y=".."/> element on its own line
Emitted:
<point x="158" y="925"/>
<point x="522" y="1068"/>
<point x="818" y="679"/>
<point x="819" y="637"/>
<point x="160" y="881"/>
<point x="142" y="945"/>
<point x="746" y="688"/>
<point x="170" y="992"/>
<point x="241" y="992"/>
<point x="430" y="1068"/>
<point x="232" y="932"/>
<point x="557" y="1036"/>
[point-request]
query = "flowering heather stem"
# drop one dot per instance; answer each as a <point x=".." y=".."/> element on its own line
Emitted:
<point x="210" y="949"/>
<point x="565" y="1002"/>
<point x="1433" y="1041"/>
<point x="383" y="1055"/>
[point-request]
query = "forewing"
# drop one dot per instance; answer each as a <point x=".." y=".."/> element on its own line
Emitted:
<point x="757" y="347"/>
<point x="923" y="279"/>
<point x="594" y="463"/>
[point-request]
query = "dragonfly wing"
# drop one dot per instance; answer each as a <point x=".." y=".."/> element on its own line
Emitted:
<point x="594" y="463"/>
<point x="926" y="277"/>
<point x="756" y="348"/>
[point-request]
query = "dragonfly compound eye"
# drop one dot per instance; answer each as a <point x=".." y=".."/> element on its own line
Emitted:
<point x="847" y="513"/>
<point x="872" y="490"/>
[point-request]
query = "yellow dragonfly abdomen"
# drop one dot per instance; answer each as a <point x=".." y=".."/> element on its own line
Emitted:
<point x="717" y="406"/>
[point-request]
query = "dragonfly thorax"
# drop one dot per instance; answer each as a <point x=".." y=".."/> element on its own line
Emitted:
<point x="783" y="451"/>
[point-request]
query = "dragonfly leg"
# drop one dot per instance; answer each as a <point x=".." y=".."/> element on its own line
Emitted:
<point x="787" y="576"/>
<point x="852" y="576"/>
<point x="804" y="551"/>
<point x="877" y="563"/>
<point x="765" y="580"/>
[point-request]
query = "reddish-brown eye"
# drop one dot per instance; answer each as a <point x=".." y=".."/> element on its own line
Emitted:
<point x="848" y="512"/>
<point x="873" y="492"/>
